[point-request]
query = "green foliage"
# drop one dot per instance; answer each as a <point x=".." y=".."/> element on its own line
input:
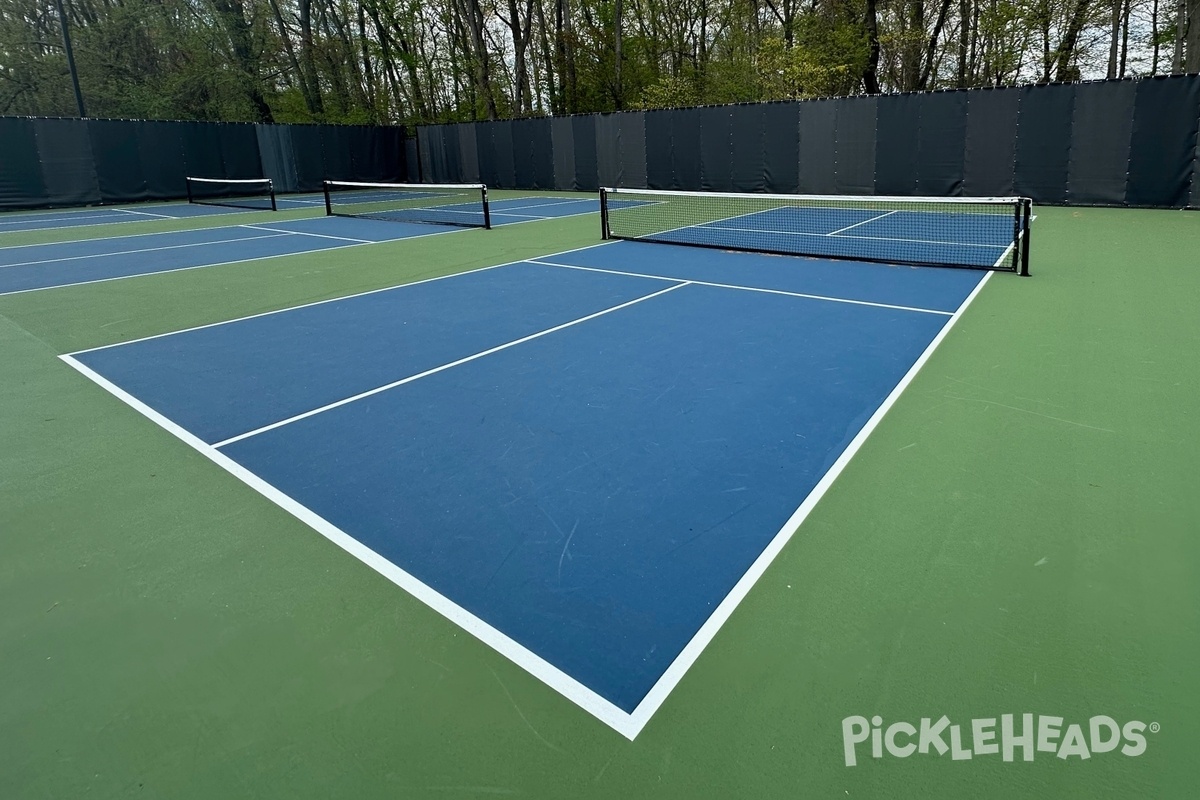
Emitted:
<point x="670" y="92"/>
<point x="804" y="71"/>
<point x="371" y="61"/>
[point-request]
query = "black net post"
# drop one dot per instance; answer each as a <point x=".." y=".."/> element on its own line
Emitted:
<point x="487" y="211"/>
<point x="604" y="233"/>
<point x="1027" y="213"/>
<point x="271" y="189"/>
<point x="328" y="202"/>
<point x="1016" y="247"/>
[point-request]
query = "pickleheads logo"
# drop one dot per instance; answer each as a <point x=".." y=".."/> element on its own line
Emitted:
<point x="1028" y="735"/>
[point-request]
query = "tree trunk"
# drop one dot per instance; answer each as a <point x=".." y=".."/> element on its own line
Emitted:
<point x="316" y="105"/>
<point x="964" y="39"/>
<point x="564" y="42"/>
<point x="520" y="28"/>
<point x="1125" y="37"/>
<point x="871" y="71"/>
<point x="932" y="49"/>
<point x="1066" y="48"/>
<point x="1154" y="38"/>
<point x="618" y="90"/>
<point x="284" y="36"/>
<point x="233" y="19"/>
<point x="912" y="55"/>
<point x="1181" y="21"/>
<point x="548" y="63"/>
<point x="1114" y="38"/>
<point x="367" y="65"/>
<point x="1192" y="63"/>
<point x="473" y="14"/>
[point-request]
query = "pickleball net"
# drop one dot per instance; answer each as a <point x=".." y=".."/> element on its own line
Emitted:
<point x="251" y="193"/>
<point x="439" y="204"/>
<point x="982" y="233"/>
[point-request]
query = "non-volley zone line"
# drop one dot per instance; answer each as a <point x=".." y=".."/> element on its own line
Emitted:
<point x="561" y="440"/>
<point x="593" y="252"/>
<point x="737" y="287"/>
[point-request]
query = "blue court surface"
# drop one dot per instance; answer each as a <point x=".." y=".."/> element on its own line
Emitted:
<point x="585" y="460"/>
<point x="26" y="268"/>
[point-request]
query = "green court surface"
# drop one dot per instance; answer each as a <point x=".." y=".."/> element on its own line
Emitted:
<point x="1021" y="535"/>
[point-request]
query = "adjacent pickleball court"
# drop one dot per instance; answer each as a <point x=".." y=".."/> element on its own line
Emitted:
<point x="376" y="216"/>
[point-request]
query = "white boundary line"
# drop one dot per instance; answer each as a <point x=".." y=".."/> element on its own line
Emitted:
<point x="541" y="669"/>
<point x="330" y="300"/>
<point x="675" y="672"/>
<point x="443" y="367"/>
<point x="274" y="235"/>
<point x="828" y="298"/>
